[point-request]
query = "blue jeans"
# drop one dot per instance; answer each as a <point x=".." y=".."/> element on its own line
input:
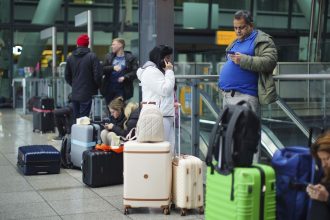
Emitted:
<point x="81" y="109"/>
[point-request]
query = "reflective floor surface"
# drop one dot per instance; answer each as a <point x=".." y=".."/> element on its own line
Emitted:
<point x="57" y="196"/>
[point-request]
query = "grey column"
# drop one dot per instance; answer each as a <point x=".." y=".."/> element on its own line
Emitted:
<point x="156" y="26"/>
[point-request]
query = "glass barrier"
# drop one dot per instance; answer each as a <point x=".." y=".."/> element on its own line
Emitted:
<point x="192" y="68"/>
<point x="206" y="112"/>
<point x="284" y="123"/>
<point x="24" y="89"/>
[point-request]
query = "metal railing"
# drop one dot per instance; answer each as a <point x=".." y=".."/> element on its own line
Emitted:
<point x="26" y="88"/>
<point x="277" y="113"/>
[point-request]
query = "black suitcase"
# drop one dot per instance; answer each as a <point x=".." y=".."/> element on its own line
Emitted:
<point x="37" y="159"/>
<point x="102" y="168"/>
<point x="43" y="115"/>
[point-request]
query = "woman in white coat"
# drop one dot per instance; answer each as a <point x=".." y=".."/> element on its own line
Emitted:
<point x="157" y="81"/>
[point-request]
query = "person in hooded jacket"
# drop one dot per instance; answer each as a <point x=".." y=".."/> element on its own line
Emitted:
<point x="83" y="73"/>
<point x="119" y="72"/>
<point x="157" y="80"/>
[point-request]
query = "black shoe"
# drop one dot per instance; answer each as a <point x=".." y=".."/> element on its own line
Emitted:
<point x="58" y="138"/>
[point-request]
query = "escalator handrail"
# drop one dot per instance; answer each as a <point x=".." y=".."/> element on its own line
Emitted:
<point x="294" y="117"/>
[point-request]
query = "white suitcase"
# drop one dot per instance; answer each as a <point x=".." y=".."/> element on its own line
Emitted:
<point x="188" y="183"/>
<point x="187" y="188"/>
<point x="147" y="175"/>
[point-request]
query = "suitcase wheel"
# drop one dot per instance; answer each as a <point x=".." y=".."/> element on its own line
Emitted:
<point x="201" y="210"/>
<point x="172" y="206"/>
<point x="183" y="212"/>
<point x="126" y="211"/>
<point x="166" y="211"/>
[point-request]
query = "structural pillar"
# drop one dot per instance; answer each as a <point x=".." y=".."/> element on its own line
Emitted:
<point x="156" y="25"/>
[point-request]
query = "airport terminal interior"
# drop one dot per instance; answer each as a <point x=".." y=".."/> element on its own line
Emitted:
<point x="37" y="36"/>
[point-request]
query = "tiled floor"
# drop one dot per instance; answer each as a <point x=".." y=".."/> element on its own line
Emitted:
<point x="59" y="196"/>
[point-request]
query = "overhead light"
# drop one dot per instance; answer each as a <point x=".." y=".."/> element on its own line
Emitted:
<point x="17" y="50"/>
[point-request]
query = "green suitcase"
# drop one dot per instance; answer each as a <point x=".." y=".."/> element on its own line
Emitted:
<point x="245" y="194"/>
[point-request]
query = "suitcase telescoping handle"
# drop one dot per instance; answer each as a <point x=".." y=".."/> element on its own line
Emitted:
<point x="179" y="129"/>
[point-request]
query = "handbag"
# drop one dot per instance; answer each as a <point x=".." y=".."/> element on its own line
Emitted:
<point x="150" y="126"/>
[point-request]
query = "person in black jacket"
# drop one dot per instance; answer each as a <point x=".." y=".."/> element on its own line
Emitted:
<point x="119" y="71"/>
<point x="320" y="193"/>
<point x="83" y="73"/>
<point x="116" y="120"/>
<point x="132" y="112"/>
<point x="63" y="119"/>
<point x="122" y="122"/>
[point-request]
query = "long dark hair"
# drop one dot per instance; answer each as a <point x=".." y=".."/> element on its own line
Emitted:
<point x="157" y="55"/>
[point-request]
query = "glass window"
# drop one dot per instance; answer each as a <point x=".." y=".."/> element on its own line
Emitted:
<point x="235" y="5"/>
<point x="274" y="6"/>
<point x="4" y="11"/>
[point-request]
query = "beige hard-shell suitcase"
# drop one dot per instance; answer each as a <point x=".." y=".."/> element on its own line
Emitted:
<point x="187" y="184"/>
<point x="147" y="175"/>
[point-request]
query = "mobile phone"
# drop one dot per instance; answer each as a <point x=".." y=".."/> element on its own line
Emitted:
<point x="231" y="52"/>
<point x="301" y="186"/>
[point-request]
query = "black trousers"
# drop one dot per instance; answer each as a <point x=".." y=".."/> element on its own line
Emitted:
<point x="64" y="120"/>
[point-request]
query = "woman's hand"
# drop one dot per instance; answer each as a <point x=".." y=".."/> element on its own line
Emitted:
<point x="168" y="65"/>
<point x="177" y="105"/>
<point x="318" y="192"/>
<point x="109" y="126"/>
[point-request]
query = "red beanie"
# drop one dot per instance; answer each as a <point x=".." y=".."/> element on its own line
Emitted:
<point x="83" y="40"/>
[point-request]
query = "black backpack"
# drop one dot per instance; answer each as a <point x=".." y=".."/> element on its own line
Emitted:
<point x="65" y="152"/>
<point x="234" y="138"/>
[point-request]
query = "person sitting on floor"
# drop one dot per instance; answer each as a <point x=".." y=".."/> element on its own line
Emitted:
<point x="63" y="119"/>
<point x="132" y="112"/>
<point x="116" y="121"/>
<point x="122" y="133"/>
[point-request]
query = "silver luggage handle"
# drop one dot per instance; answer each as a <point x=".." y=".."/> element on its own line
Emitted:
<point x="179" y="130"/>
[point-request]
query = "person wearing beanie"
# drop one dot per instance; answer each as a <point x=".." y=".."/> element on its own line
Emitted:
<point x="157" y="80"/>
<point x="83" y="40"/>
<point x="83" y="73"/>
<point x="119" y="72"/>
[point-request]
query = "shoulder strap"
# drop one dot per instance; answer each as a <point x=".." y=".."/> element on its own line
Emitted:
<point x="213" y="137"/>
<point x="243" y="102"/>
<point x="129" y="135"/>
<point x="228" y="148"/>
